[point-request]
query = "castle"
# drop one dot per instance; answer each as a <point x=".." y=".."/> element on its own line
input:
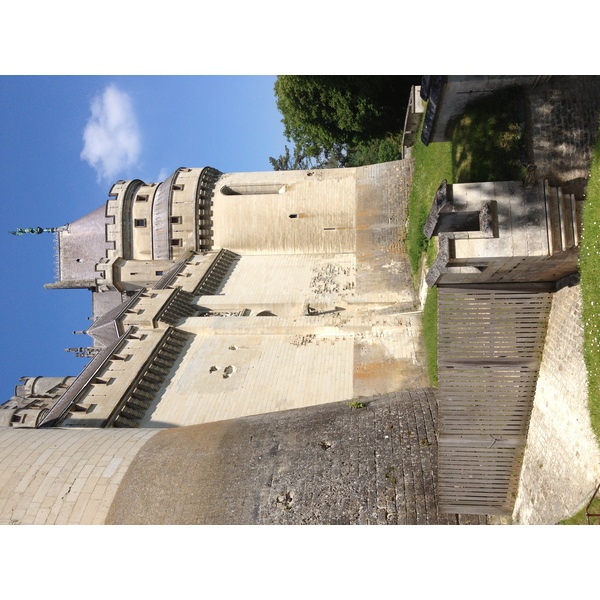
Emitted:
<point x="256" y="352"/>
<point x="218" y="297"/>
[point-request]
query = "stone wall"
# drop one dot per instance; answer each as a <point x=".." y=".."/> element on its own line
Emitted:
<point x="63" y="477"/>
<point x="331" y="464"/>
<point x="382" y="262"/>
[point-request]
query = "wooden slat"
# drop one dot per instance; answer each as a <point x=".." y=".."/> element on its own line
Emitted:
<point x="490" y="344"/>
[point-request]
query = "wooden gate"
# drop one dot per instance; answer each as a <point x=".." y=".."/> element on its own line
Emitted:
<point x="490" y="344"/>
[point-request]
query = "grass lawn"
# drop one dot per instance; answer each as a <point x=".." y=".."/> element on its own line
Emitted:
<point x="580" y="518"/>
<point x="430" y="334"/>
<point x="433" y="164"/>
<point x="589" y="265"/>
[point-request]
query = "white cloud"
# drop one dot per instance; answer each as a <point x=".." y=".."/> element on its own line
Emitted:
<point x="163" y="174"/>
<point x="111" y="138"/>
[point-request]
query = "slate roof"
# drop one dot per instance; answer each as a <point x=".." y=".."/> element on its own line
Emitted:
<point x="81" y="246"/>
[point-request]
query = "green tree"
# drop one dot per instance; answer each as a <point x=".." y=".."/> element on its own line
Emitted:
<point x="288" y="162"/>
<point x="346" y="109"/>
<point x="335" y="157"/>
<point x="376" y="150"/>
<point x="328" y="116"/>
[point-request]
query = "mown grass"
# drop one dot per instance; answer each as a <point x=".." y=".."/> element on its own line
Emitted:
<point x="433" y="164"/>
<point x="589" y="265"/>
<point x="430" y="335"/>
<point x="579" y="518"/>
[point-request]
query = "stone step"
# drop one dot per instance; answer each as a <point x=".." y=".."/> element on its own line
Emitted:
<point x="578" y="221"/>
<point x="566" y="219"/>
<point x="563" y="219"/>
<point x="552" y="218"/>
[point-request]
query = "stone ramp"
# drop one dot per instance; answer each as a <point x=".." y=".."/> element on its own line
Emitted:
<point x="561" y="465"/>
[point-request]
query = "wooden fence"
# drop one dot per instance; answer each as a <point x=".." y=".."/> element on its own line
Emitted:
<point x="490" y="344"/>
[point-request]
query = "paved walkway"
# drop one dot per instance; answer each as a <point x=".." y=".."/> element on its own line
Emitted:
<point x="561" y="466"/>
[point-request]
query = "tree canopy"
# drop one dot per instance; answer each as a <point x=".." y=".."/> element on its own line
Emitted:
<point x="327" y="116"/>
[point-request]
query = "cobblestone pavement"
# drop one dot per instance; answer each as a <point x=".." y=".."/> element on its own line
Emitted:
<point x="561" y="466"/>
<point x="563" y="116"/>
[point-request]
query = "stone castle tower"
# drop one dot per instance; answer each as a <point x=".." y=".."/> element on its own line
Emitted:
<point x="220" y="295"/>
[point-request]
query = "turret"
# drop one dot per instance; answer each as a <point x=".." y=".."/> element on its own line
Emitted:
<point x="32" y="400"/>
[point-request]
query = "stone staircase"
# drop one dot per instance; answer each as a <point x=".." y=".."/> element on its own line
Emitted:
<point x="217" y="273"/>
<point x="563" y="219"/>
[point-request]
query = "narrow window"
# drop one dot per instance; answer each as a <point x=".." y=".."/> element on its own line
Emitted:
<point x="253" y="189"/>
<point x="177" y="242"/>
<point x="140" y="222"/>
<point x="293" y="216"/>
<point x="160" y="273"/>
<point x="329" y="228"/>
<point x="141" y="198"/>
<point x="178" y="187"/>
<point x="175" y="219"/>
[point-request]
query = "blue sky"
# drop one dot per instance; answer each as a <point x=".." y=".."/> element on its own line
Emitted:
<point x="65" y="141"/>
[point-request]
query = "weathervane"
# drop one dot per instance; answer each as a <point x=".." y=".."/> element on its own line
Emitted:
<point x="35" y="230"/>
